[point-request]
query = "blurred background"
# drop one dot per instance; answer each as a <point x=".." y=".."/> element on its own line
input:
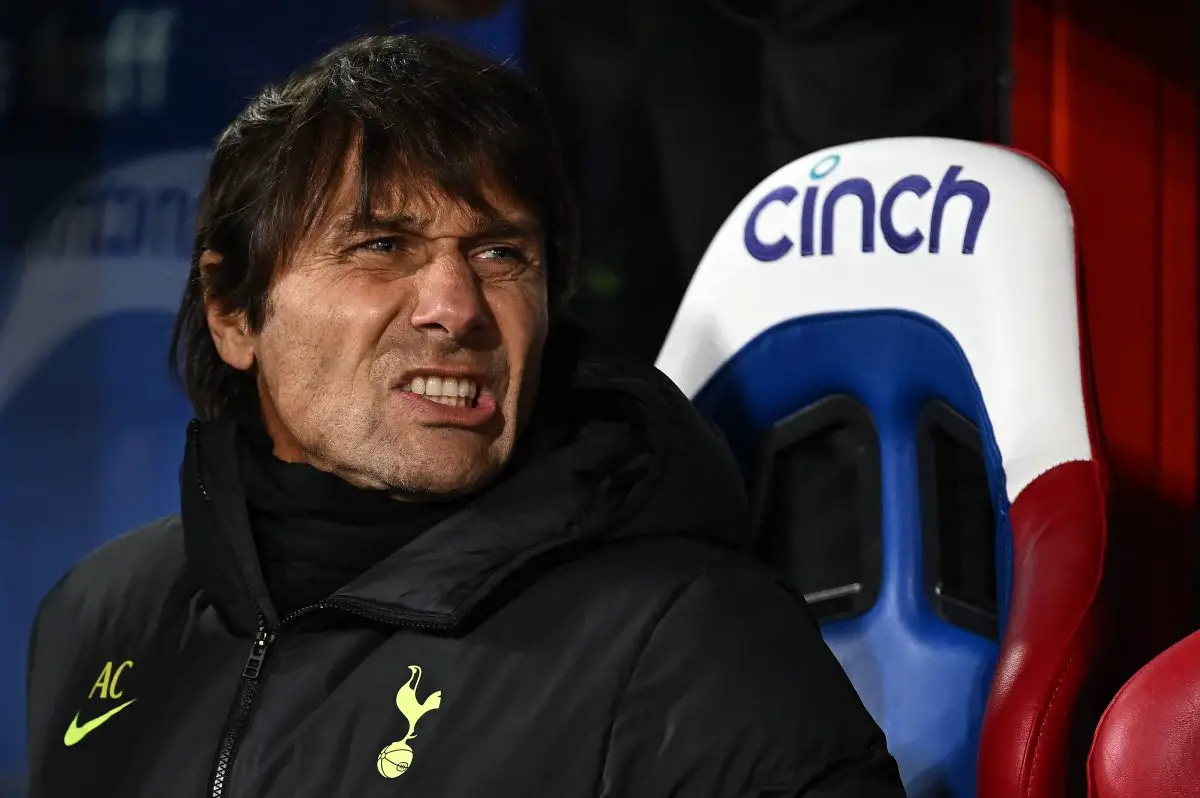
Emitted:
<point x="670" y="112"/>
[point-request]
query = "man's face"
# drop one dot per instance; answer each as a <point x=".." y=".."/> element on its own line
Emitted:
<point x="405" y="355"/>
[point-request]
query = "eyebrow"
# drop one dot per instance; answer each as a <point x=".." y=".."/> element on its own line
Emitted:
<point x="484" y="226"/>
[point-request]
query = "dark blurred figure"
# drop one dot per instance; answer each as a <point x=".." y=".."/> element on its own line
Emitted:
<point x="672" y="110"/>
<point x="657" y="105"/>
<point x="846" y="70"/>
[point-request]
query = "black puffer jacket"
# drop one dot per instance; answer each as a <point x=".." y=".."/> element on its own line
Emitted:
<point x="587" y="627"/>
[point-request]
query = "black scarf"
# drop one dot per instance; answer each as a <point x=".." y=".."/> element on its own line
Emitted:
<point x="315" y="532"/>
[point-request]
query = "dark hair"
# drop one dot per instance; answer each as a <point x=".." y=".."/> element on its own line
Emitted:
<point x="412" y="110"/>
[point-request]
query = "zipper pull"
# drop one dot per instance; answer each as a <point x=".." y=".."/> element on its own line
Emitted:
<point x="258" y="653"/>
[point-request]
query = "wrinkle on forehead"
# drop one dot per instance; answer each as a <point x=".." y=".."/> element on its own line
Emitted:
<point x="415" y="202"/>
<point x="356" y="180"/>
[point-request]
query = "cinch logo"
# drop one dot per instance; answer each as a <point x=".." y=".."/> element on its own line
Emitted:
<point x="816" y="208"/>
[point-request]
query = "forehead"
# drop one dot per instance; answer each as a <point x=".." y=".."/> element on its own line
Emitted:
<point x="419" y="199"/>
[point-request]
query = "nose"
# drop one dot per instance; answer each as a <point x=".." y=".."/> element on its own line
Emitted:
<point x="449" y="299"/>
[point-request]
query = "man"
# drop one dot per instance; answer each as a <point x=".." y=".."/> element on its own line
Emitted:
<point x="432" y="542"/>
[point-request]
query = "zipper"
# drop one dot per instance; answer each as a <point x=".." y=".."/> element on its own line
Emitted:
<point x="248" y="685"/>
<point x="363" y="609"/>
<point x="248" y="688"/>
<point x="252" y="673"/>
<point x="240" y="711"/>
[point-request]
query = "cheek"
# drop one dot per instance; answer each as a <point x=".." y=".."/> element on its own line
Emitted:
<point x="315" y="338"/>
<point x="289" y="360"/>
<point x="523" y="322"/>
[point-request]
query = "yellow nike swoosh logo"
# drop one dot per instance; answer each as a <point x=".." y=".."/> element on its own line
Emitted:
<point x="75" y="732"/>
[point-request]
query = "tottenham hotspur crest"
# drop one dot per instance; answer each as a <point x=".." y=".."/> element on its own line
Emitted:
<point x="395" y="759"/>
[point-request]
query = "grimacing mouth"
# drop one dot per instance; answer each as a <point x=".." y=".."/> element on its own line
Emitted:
<point x="447" y="388"/>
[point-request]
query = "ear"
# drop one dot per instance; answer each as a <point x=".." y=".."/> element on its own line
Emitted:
<point x="230" y="331"/>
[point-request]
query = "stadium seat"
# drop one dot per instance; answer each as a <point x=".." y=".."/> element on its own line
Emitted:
<point x="1148" y="742"/>
<point x="889" y="335"/>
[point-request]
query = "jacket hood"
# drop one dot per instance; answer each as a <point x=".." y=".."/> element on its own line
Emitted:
<point x="634" y="459"/>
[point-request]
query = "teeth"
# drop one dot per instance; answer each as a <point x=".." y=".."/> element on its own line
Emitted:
<point x="452" y="401"/>
<point x="452" y="391"/>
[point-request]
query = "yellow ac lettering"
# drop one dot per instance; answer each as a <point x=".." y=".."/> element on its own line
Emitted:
<point x="113" y="692"/>
<point x="106" y="682"/>
<point x="102" y="682"/>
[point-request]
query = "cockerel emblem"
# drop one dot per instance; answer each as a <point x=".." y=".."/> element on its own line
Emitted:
<point x="395" y="759"/>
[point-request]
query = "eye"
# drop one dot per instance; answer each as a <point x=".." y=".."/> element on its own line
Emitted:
<point x="381" y="245"/>
<point x="502" y="253"/>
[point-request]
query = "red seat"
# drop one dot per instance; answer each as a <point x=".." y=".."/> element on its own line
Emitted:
<point x="1041" y="710"/>
<point x="1148" y="742"/>
<point x="1036" y="726"/>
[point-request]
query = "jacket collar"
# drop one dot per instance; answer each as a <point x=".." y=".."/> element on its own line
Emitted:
<point x="639" y="461"/>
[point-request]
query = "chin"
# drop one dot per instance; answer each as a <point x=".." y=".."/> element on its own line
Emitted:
<point x="433" y="481"/>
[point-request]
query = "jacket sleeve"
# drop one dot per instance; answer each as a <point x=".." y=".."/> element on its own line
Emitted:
<point x="736" y="695"/>
<point x="44" y="672"/>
